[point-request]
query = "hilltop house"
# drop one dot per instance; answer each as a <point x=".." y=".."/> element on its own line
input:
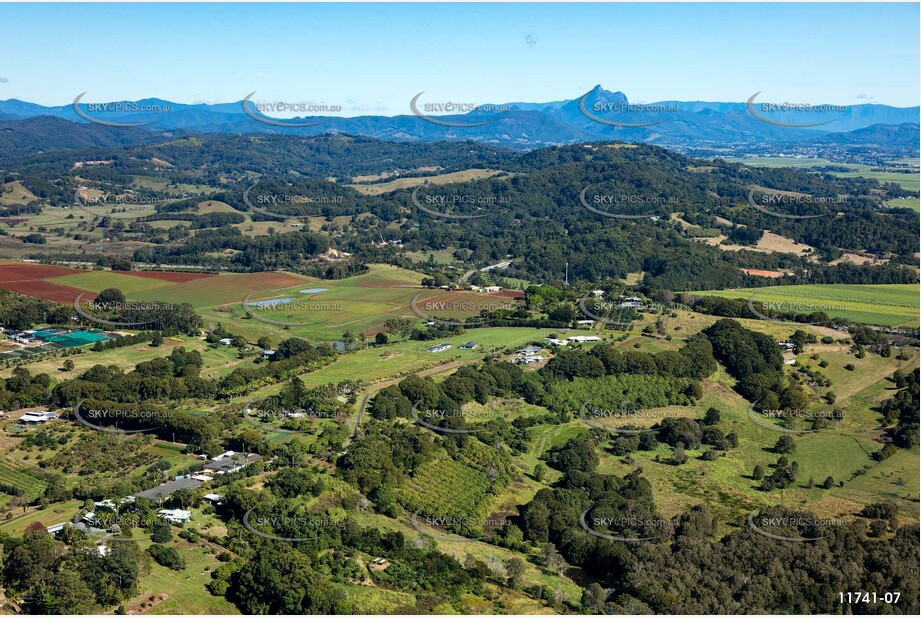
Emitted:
<point x="176" y="516"/>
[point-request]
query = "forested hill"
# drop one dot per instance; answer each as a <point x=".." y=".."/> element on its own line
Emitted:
<point x="546" y="208"/>
<point x="323" y="156"/>
<point x="20" y="138"/>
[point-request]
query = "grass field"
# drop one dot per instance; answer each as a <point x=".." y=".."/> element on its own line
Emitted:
<point x="57" y="513"/>
<point x="218" y="360"/>
<point x="15" y="193"/>
<point x="10" y="475"/>
<point x="440" y="179"/>
<point x="376" y="364"/>
<point x="906" y="181"/>
<point x="906" y="202"/>
<point x="97" y="281"/>
<point x="885" y="305"/>
<point x="184" y="592"/>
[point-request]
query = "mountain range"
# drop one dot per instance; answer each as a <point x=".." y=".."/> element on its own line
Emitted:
<point x="598" y="114"/>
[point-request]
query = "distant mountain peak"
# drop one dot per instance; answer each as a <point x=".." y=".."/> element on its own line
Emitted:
<point x="598" y="93"/>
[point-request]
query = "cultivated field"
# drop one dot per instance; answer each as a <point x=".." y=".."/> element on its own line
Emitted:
<point x="885" y="305"/>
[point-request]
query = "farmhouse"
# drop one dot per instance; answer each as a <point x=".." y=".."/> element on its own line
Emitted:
<point x="56" y="528"/>
<point x="167" y="489"/>
<point x="582" y="338"/>
<point x="176" y="516"/>
<point x="230" y="463"/>
<point x="585" y="322"/>
<point x="528" y="360"/>
<point x="441" y="347"/>
<point x="470" y="345"/>
<point x="379" y="564"/>
<point x="529" y="350"/>
<point x="37" y="418"/>
<point x="106" y="505"/>
<point x="557" y="341"/>
<point x="19" y="336"/>
<point x="226" y="341"/>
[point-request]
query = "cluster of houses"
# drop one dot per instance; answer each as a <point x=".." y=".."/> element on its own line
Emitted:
<point x="528" y="355"/>
<point x="37" y="417"/>
<point x="628" y="302"/>
<point x="96" y="520"/>
<point x="24" y="337"/>
<point x="32" y="416"/>
<point x="224" y="463"/>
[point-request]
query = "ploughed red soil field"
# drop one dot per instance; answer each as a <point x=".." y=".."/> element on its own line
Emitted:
<point x="47" y="290"/>
<point x="27" y="279"/>
<point x="17" y="271"/>
<point x="174" y="277"/>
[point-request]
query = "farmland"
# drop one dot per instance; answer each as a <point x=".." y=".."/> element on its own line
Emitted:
<point x="354" y="277"/>
<point x="14" y="476"/>
<point x="428" y="491"/>
<point x="885" y="305"/>
<point x="905" y="180"/>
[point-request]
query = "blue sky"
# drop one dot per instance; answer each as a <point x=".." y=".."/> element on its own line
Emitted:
<point x="372" y="58"/>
